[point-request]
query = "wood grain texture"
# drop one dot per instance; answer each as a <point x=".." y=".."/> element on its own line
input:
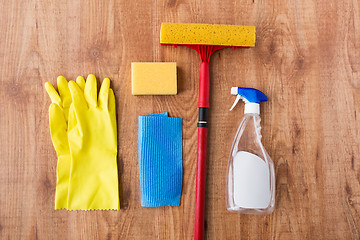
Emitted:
<point x="306" y="59"/>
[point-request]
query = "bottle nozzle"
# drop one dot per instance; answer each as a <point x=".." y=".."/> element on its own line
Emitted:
<point x="252" y="97"/>
<point x="234" y="91"/>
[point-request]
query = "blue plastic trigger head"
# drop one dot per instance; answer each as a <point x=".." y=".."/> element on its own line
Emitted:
<point x="252" y="95"/>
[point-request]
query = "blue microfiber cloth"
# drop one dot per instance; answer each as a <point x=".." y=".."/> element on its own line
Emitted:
<point x="160" y="160"/>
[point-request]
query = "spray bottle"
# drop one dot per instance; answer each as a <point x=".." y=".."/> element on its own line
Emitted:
<point x="250" y="172"/>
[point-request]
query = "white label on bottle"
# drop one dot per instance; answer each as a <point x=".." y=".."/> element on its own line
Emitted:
<point x="251" y="181"/>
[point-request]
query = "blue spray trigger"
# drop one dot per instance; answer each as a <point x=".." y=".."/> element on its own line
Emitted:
<point x="252" y="95"/>
<point x="248" y="95"/>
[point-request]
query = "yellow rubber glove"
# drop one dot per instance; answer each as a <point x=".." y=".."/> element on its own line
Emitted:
<point x="92" y="138"/>
<point x="58" y="118"/>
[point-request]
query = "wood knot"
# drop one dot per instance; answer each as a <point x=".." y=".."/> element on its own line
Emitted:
<point x="271" y="48"/>
<point x="94" y="53"/>
<point x="348" y="189"/>
<point x="47" y="184"/>
<point x="124" y="206"/>
<point x="13" y="90"/>
<point x="297" y="130"/>
<point x="172" y="3"/>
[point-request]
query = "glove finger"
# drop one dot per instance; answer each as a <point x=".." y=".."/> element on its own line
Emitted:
<point x="53" y="94"/>
<point x="72" y="118"/>
<point x="64" y="91"/>
<point x="112" y="105"/>
<point x="58" y="129"/>
<point x="76" y="135"/>
<point x="78" y="99"/>
<point x="112" y="114"/>
<point x="90" y="90"/>
<point x="81" y="82"/>
<point x="104" y="94"/>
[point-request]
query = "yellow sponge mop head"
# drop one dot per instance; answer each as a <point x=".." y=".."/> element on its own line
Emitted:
<point x="207" y="34"/>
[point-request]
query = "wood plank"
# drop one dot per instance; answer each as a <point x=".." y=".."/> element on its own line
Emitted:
<point x="306" y="59"/>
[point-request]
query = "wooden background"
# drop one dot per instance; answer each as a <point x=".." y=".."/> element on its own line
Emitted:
<point x="306" y="59"/>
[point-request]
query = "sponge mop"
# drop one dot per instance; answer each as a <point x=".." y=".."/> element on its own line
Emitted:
<point x="205" y="39"/>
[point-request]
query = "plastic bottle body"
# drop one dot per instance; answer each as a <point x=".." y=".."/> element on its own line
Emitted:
<point x="251" y="175"/>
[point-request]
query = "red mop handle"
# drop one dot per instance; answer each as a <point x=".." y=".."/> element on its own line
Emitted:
<point x="201" y="151"/>
<point x="204" y="86"/>
<point x="200" y="184"/>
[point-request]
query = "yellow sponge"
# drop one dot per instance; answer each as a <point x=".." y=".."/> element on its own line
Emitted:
<point x="151" y="78"/>
<point x="207" y="34"/>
